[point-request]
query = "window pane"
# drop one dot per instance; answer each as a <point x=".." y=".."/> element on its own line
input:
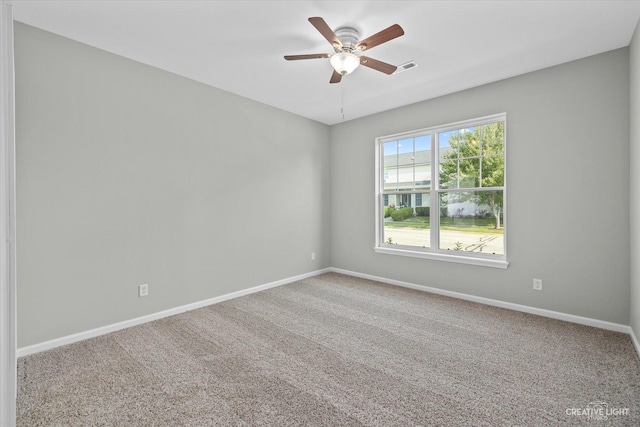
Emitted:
<point x="422" y="162"/>
<point x="493" y="171"/>
<point x="390" y="150"/>
<point x="392" y="200"/>
<point x="405" y="164"/>
<point x="423" y="149"/>
<point x="406" y="220"/>
<point x="405" y="178"/>
<point x="492" y="137"/>
<point x="469" y="173"/>
<point x="405" y="146"/>
<point x="423" y="176"/>
<point x="459" y="143"/>
<point x="448" y="155"/>
<point x="493" y="155"/>
<point x="405" y="152"/>
<point x="467" y="142"/>
<point x="460" y="173"/>
<point x="390" y="179"/>
<point x="449" y="173"/>
<point x="389" y="163"/>
<point x="446" y="150"/>
<point x="472" y="221"/>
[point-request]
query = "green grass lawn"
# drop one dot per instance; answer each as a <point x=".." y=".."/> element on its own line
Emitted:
<point x="470" y="225"/>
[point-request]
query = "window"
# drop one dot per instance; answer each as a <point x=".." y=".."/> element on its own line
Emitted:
<point x="441" y="192"/>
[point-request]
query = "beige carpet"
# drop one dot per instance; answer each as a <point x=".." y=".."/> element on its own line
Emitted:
<point x="336" y="350"/>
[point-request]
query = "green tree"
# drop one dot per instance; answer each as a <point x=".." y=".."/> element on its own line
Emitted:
<point x="475" y="159"/>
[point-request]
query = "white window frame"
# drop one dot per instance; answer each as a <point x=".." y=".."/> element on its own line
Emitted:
<point x="433" y="252"/>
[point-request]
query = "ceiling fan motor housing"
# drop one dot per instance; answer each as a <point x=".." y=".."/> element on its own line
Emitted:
<point x="348" y="36"/>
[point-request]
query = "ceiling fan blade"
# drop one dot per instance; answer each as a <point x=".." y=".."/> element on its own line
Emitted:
<point x="335" y="77"/>
<point x="377" y="65"/>
<point x="383" y="36"/>
<point x="311" y="56"/>
<point x="325" y="30"/>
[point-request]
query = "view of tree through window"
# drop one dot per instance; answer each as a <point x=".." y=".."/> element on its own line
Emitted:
<point x="443" y="189"/>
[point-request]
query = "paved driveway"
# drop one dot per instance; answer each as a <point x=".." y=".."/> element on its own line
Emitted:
<point x="471" y="242"/>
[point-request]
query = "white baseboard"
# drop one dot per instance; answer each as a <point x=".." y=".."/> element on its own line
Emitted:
<point x="48" y="345"/>
<point x="617" y="327"/>
<point x="635" y="341"/>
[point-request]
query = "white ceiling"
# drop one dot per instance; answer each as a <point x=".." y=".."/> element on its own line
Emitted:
<point x="239" y="46"/>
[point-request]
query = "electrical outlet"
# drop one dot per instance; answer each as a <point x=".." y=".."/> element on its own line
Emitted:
<point x="537" y="284"/>
<point x="313" y="256"/>
<point x="143" y="290"/>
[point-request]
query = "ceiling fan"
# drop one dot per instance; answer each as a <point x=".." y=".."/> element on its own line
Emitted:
<point x="345" y="42"/>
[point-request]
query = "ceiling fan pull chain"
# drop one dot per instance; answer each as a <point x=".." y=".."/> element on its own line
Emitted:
<point x="342" y="103"/>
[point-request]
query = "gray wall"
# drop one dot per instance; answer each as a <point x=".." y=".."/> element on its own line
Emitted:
<point x="568" y="189"/>
<point x="127" y="174"/>
<point x="634" y="59"/>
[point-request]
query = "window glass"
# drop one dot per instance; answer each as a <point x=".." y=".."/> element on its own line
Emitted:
<point x="406" y="220"/>
<point x="455" y="205"/>
<point x="471" y="221"/>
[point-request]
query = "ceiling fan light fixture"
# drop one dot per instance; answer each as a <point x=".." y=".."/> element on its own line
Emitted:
<point x="344" y="62"/>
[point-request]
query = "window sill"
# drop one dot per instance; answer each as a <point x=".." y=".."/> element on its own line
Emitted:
<point x="461" y="259"/>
